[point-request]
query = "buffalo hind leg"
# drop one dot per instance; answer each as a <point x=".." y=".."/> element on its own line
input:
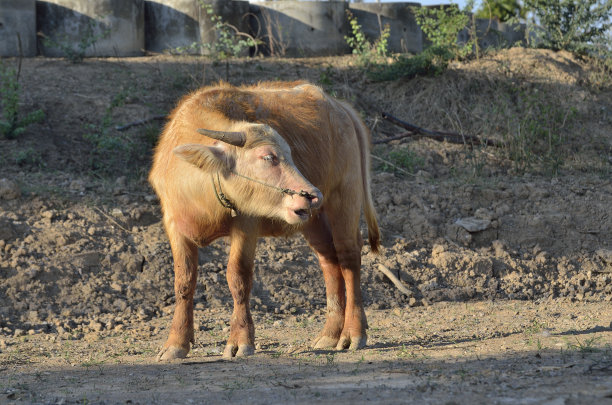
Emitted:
<point x="353" y="334"/>
<point x="243" y="240"/>
<point x="185" y="256"/>
<point x="347" y="243"/>
<point x="319" y="237"/>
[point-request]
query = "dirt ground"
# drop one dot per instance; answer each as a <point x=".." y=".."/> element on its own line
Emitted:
<point x="508" y="259"/>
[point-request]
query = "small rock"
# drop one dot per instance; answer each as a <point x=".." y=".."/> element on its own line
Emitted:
<point x="18" y="332"/>
<point x="412" y="302"/>
<point x="278" y="323"/>
<point x="473" y="224"/>
<point x="9" y="190"/>
<point x="87" y="260"/>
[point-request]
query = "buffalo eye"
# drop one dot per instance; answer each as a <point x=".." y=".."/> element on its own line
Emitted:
<point x="270" y="158"/>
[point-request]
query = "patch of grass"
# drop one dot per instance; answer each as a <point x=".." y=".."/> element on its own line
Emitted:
<point x="431" y="62"/>
<point x="586" y="346"/>
<point x="402" y="158"/>
<point x="537" y="135"/>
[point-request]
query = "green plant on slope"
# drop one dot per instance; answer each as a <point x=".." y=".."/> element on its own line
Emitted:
<point x="11" y="125"/>
<point x="571" y="25"/>
<point x="367" y="52"/>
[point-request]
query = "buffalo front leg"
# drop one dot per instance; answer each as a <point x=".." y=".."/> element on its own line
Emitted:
<point x="318" y="235"/>
<point x="185" y="255"/>
<point x="243" y="239"/>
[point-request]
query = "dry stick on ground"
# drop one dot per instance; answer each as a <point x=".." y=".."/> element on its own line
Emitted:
<point x="400" y="286"/>
<point x="451" y="137"/>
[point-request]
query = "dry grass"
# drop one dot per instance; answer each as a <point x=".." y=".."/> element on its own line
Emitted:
<point x="552" y="110"/>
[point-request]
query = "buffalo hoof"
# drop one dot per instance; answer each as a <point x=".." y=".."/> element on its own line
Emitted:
<point x="351" y="342"/>
<point x="171" y="353"/>
<point x="324" y="342"/>
<point x="232" y="350"/>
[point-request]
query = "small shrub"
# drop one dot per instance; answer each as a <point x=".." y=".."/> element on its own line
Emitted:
<point x="368" y="52"/>
<point x="29" y="157"/>
<point x="87" y="40"/>
<point x="11" y="125"/>
<point x="229" y="42"/>
<point x="441" y="26"/>
<point x="571" y="25"/>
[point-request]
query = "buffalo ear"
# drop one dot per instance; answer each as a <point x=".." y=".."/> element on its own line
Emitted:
<point x="207" y="158"/>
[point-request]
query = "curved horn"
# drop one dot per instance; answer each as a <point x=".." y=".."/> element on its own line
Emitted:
<point x="233" y="138"/>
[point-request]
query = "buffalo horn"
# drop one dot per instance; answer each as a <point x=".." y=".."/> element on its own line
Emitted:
<point x="233" y="138"/>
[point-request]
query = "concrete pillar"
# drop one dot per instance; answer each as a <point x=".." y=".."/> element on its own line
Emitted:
<point x="17" y="17"/>
<point x="172" y="24"/>
<point x="302" y="28"/>
<point x="406" y="36"/>
<point x="72" y="22"/>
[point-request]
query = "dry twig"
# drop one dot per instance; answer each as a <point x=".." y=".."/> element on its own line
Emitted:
<point x="400" y="286"/>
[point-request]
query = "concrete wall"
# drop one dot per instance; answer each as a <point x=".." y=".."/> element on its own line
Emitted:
<point x="72" y="21"/>
<point x="406" y="36"/>
<point x="493" y="34"/>
<point x="296" y="28"/>
<point x="17" y="17"/>
<point x="292" y="28"/>
<point x="172" y="24"/>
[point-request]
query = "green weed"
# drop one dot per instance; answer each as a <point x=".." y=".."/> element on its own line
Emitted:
<point x="586" y="346"/>
<point x="11" y="124"/>
<point x="367" y="52"/>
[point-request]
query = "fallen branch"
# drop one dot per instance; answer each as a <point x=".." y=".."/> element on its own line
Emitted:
<point x="400" y="286"/>
<point x="451" y="137"/>
<point x="140" y="122"/>
<point x="394" y="138"/>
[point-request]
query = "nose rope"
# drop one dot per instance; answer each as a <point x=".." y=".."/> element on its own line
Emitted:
<point x="226" y="203"/>
<point x="289" y="191"/>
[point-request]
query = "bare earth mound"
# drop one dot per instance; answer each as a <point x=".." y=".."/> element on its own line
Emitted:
<point x="507" y="252"/>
